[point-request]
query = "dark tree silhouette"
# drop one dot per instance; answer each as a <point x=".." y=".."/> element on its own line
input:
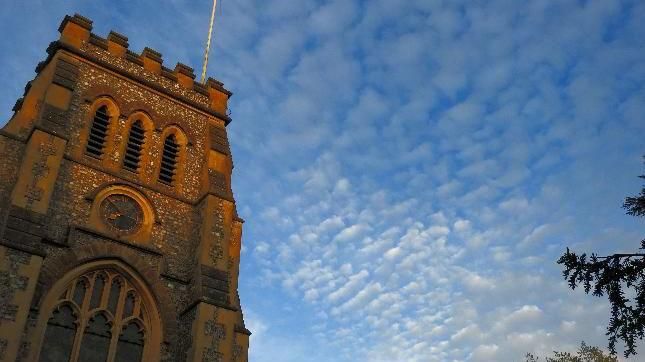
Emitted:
<point x="584" y="354"/>
<point x="613" y="275"/>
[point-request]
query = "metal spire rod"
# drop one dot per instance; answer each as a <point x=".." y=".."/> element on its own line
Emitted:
<point x="208" y="42"/>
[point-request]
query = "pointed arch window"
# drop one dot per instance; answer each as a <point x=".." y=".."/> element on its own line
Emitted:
<point x="60" y="333"/>
<point x="136" y="138"/>
<point x="100" y="317"/>
<point x="168" y="169"/>
<point x="95" y="344"/>
<point x="130" y="345"/>
<point x="98" y="133"/>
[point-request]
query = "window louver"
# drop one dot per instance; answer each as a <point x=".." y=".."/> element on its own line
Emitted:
<point x="98" y="132"/>
<point x="132" y="157"/>
<point x="169" y="160"/>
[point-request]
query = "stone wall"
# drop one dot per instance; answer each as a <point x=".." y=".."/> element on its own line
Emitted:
<point x="187" y="250"/>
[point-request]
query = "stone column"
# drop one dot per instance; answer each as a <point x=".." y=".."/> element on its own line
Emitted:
<point x="18" y="276"/>
<point x="215" y="315"/>
<point x="43" y="121"/>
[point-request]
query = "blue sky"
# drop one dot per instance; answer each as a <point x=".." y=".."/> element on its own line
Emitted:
<point x="409" y="171"/>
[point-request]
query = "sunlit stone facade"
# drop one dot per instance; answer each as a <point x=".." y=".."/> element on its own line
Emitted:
<point x="120" y="239"/>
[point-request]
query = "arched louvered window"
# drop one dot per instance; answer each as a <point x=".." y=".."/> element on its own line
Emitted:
<point x="98" y="133"/>
<point x="169" y="157"/>
<point x="109" y="312"/>
<point x="133" y="149"/>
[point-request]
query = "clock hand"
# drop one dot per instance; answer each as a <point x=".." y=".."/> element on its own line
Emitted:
<point x="115" y="206"/>
<point x="133" y="219"/>
<point x="128" y="208"/>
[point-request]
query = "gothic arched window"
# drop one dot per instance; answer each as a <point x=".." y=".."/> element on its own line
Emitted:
<point x="101" y="316"/>
<point x="168" y="168"/>
<point x="98" y="133"/>
<point x="62" y="329"/>
<point x="132" y="158"/>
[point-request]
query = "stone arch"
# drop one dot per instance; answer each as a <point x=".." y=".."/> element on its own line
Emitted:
<point x="109" y="102"/>
<point x="104" y="273"/>
<point x="178" y="134"/>
<point x="113" y="113"/>
<point x="176" y="129"/>
<point x="144" y="116"/>
<point x="55" y="268"/>
<point x="148" y="126"/>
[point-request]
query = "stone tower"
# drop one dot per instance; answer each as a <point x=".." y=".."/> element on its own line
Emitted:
<point x="119" y="236"/>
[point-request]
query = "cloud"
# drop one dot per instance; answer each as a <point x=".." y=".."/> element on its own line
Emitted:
<point x="485" y="352"/>
<point x="333" y="17"/>
<point x="350" y="233"/>
<point x="354" y="282"/>
<point x="408" y="171"/>
<point x="361" y="298"/>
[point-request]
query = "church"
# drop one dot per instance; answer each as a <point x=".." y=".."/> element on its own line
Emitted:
<point x="119" y="235"/>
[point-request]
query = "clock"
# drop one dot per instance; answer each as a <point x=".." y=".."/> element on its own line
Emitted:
<point x="121" y="213"/>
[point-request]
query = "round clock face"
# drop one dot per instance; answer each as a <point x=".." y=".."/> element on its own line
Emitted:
<point x="121" y="213"/>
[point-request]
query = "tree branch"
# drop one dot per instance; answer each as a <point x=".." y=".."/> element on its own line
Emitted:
<point x="622" y="256"/>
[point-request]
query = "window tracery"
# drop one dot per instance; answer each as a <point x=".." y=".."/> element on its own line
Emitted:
<point x="99" y="317"/>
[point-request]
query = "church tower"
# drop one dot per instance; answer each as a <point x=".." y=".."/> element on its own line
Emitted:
<point x="119" y="236"/>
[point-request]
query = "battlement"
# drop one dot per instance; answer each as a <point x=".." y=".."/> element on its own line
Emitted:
<point x="113" y="53"/>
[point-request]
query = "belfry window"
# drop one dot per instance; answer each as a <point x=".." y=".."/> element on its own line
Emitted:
<point x="132" y="158"/>
<point x="100" y="317"/>
<point x="169" y="157"/>
<point x="98" y="133"/>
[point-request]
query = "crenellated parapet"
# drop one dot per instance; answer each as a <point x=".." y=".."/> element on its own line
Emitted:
<point x="147" y="67"/>
<point x="116" y="209"/>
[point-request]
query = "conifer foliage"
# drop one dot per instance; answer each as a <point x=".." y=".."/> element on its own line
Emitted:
<point x="586" y="353"/>
<point x="619" y="276"/>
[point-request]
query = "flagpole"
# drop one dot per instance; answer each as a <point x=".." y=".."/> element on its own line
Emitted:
<point x="208" y="42"/>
